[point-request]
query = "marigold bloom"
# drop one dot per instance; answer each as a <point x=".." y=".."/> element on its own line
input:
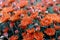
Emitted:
<point x="34" y="15"/>
<point x="39" y="7"/>
<point x="38" y="35"/>
<point x="28" y="37"/>
<point x="58" y="19"/>
<point x="52" y="16"/>
<point x="46" y="21"/>
<point x="7" y="9"/>
<point x="31" y="30"/>
<point x="50" y="31"/>
<point x="14" y="18"/>
<point x="14" y="37"/>
<point x="19" y="12"/>
<point x="4" y="17"/>
<point x="25" y="21"/>
<point x="31" y="34"/>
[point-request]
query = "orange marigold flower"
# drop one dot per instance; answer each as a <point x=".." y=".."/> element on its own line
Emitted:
<point x="14" y="37"/>
<point x="3" y="19"/>
<point x="42" y="9"/>
<point x="25" y="21"/>
<point x="58" y="19"/>
<point x="28" y="37"/>
<point x="7" y="9"/>
<point x="34" y="15"/>
<point x="31" y="30"/>
<point x="21" y="12"/>
<point x="50" y="31"/>
<point x="46" y="21"/>
<point x="14" y="18"/>
<point x="7" y="15"/>
<point x="18" y="12"/>
<point x="52" y="16"/>
<point x="38" y="35"/>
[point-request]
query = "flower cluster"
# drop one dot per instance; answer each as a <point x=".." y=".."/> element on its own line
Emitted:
<point x="30" y="19"/>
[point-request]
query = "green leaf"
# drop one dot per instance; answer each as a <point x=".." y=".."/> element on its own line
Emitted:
<point x="50" y="10"/>
<point x="30" y="26"/>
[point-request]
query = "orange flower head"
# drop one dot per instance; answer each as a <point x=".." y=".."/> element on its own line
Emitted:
<point x="14" y="18"/>
<point x="34" y="15"/>
<point x="31" y="30"/>
<point x="46" y="21"/>
<point x="14" y="37"/>
<point x="50" y="31"/>
<point x="26" y="20"/>
<point x="38" y="35"/>
<point x="7" y="9"/>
